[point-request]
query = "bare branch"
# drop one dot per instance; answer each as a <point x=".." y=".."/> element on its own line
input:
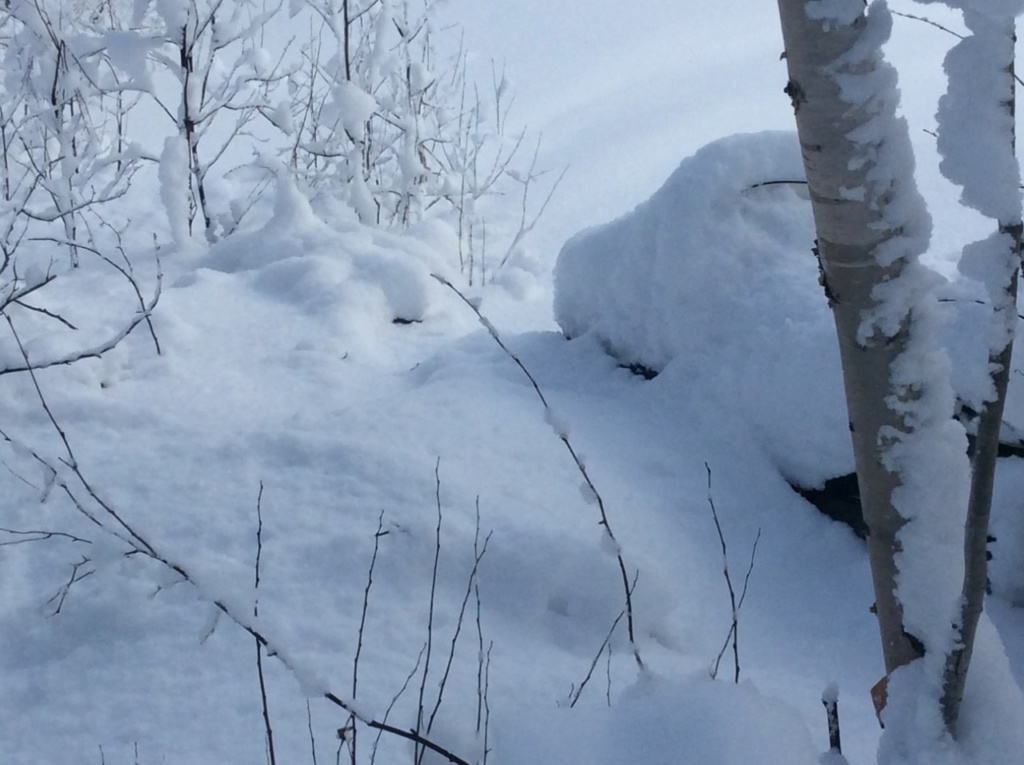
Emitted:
<point x="268" y="730"/>
<point x="97" y="351"/>
<point x="735" y="603"/>
<point x="574" y="455"/>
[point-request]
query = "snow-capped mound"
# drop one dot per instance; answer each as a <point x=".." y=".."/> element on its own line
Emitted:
<point x="709" y="256"/>
<point x="714" y="276"/>
<point x="673" y="721"/>
<point x="339" y="269"/>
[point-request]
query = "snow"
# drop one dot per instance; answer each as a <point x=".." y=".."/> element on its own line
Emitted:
<point x="282" y="364"/>
<point x="759" y="729"/>
<point x="975" y="127"/>
<point x="353" y="107"/>
<point x="714" y="278"/>
<point x="129" y="54"/>
<point x="174" y="14"/>
<point x="842" y="12"/>
<point x="174" y="189"/>
<point x="991" y="724"/>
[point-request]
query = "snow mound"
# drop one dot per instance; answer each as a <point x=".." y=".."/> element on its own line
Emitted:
<point x="341" y="269"/>
<point x="714" y="278"/>
<point x="660" y="721"/>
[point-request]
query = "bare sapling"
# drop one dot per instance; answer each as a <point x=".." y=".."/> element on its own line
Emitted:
<point x="996" y="263"/>
<point x="63" y="176"/>
<point x="58" y="159"/>
<point x="380" y="118"/>
<point x="488" y="159"/>
<point x="483" y="656"/>
<point x="226" y="80"/>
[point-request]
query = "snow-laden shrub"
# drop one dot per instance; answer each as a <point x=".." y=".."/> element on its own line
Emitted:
<point x="382" y="114"/>
<point x="366" y="103"/>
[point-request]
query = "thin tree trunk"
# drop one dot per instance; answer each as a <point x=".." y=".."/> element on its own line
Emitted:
<point x="983" y="463"/>
<point x="976" y="530"/>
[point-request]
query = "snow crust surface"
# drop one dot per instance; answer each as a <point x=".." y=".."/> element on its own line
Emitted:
<point x="282" y="364"/>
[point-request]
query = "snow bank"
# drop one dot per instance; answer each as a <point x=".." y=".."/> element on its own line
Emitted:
<point x="716" y="272"/>
<point x="990" y="729"/>
<point x="661" y="721"/>
<point x="354" y="274"/>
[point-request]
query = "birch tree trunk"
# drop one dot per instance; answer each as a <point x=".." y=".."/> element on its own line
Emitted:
<point x="860" y="245"/>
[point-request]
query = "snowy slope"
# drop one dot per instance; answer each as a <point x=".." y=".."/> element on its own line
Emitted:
<point x="282" y="367"/>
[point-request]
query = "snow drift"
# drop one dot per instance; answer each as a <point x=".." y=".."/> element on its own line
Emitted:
<point x="716" y="272"/>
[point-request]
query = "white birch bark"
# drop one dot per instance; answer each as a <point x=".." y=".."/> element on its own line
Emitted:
<point x="871" y="226"/>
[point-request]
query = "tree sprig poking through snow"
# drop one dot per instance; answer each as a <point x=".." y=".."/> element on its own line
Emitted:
<point x="735" y="603"/>
<point x="563" y="435"/>
<point x="576" y="692"/>
<point x="268" y="729"/>
<point x="830" y="700"/>
<point x="472" y="586"/>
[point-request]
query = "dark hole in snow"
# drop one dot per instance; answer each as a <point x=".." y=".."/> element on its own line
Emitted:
<point x="839" y="499"/>
<point x="1011" y="440"/>
<point x="1011" y="449"/>
<point x="640" y="370"/>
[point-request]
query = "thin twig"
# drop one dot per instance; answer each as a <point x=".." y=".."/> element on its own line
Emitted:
<point x="477" y="557"/>
<point x="259" y="648"/>
<point x="362" y="629"/>
<point x="126" y="271"/>
<point x="96" y="351"/>
<point x="735" y="603"/>
<point x="608" y="676"/>
<point x="929" y="22"/>
<point x="935" y="24"/>
<point x="430" y="612"/>
<point x="394" y="700"/>
<point x="780" y="182"/>
<point x="47" y="313"/>
<point x="309" y="726"/>
<point x="76" y="576"/>
<point x="487" y="702"/>
<point x="606" y="643"/>
<point x="563" y="436"/>
<point x="33" y="535"/>
<point x="479" y="630"/>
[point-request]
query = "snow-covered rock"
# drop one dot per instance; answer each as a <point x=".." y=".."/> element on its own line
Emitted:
<point x="715" y="276"/>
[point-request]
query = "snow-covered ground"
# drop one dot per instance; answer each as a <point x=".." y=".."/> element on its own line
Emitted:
<point x="285" y="386"/>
